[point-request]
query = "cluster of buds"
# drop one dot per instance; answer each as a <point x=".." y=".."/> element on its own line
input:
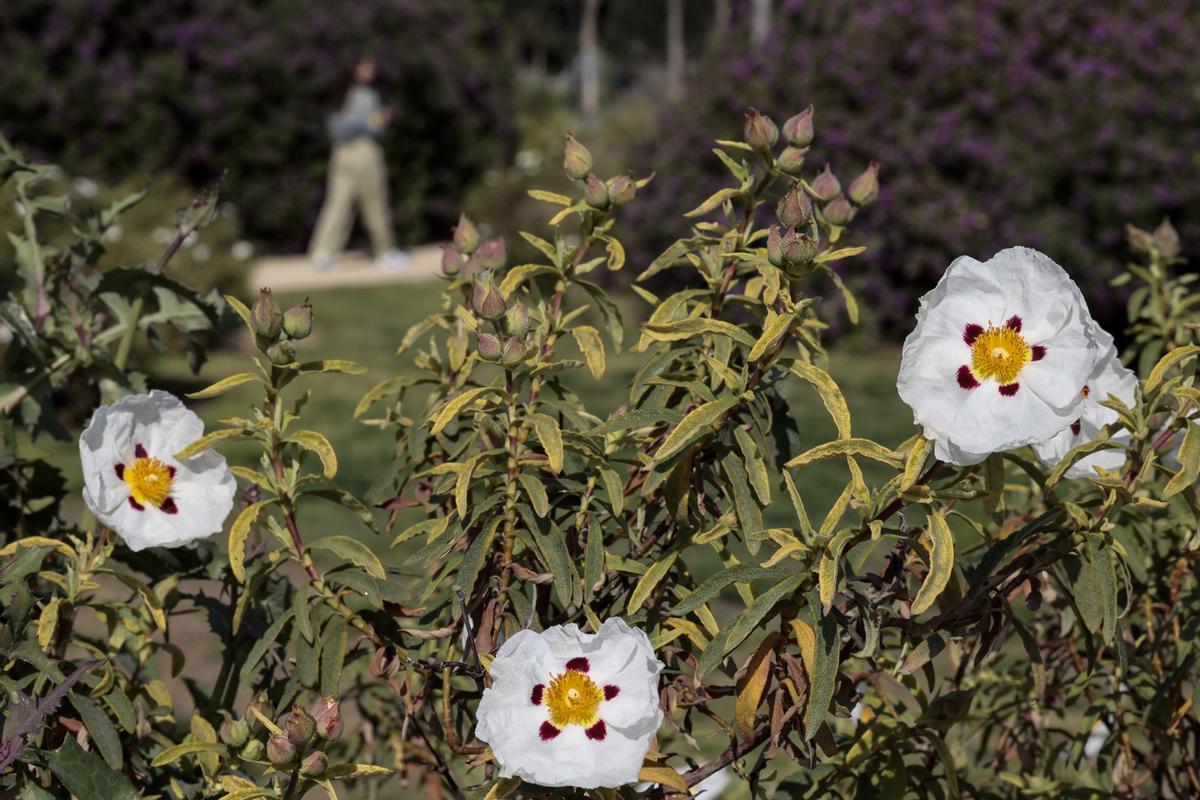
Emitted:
<point x="303" y="737"/>
<point x="277" y="331"/>
<point x="505" y="344"/>
<point x="597" y="193"/>
<point x="1164" y="240"/>
<point x="470" y="253"/>
<point x="792" y="245"/>
<point x="762" y="134"/>
<point x="840" y="207"/>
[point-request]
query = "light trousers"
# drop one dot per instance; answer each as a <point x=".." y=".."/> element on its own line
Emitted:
<point x="357" y="177"/>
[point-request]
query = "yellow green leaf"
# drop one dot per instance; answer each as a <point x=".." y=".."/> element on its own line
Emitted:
<point x="829" y="393"/>
<point x="550" y="197"/>
<point x="549" y="434"/>
<point x="847" y="447"/>
<point x="518" y="275"/>
<point x="664" y="776"/>
<point x="47" y="623"/>
<point x="772" y="333"/>
<point x="454" y="405"/>
<point x="713" y="200"/>
<point x="36" y="541"/>
<point x="224" y="385"/>
<point x="692" y="425"/>
<point x="913" y="463"/>
<point x="208" y="440"/>
<point x="238" y="535"/>
<point x="242" y="311"/>
<point x="353" y="551"/>
<point x="647" y="582"/>
<point x="827" y="570"/>
<point x="837" y="255"/>
<point x="1166" y="362"/>
<point x="696" y="326"/>
<point x="941" y="563"/>
<point x="1189" y="460"/>
<point x="186" y="748"/>
<point x="751" y="687"/>
<point x="317" y="443"/>
<point x="339" y="365"/>
<point x="588" y="339"/>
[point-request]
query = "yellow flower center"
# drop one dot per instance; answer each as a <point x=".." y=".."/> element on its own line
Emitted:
<point x="573" y="699"/>
<point x="999" y="353"/>
<point x="149" y="481"/>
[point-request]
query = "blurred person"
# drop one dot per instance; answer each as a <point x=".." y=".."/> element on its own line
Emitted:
<point x="357" y="176"/>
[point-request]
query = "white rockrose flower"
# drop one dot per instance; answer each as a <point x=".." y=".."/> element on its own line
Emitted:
<point x="999" y="357"/>
<point x="567" y="708"/>
<point x="1109" y="376"/>
<point x="134" y="484"/>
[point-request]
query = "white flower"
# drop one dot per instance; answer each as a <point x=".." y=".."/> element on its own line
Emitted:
<point x="567" y="708"/>
<point x="999" y="356"/>
<point x="1109" y="376"/>
<point x="134" y="484"/>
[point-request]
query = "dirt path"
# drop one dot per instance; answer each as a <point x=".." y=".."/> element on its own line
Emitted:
<point x="297" y="273"/>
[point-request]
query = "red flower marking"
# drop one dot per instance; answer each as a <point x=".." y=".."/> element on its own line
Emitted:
<point x="1086" y="391"/>
<point x="170" y="472"/>
<point x="548" y="731"/>
<point x="597" y="732"/>
<point x="136" y="505"/>
<point x="965" y="379"/>
<point x="971" y="333"/>
<point x="535" y="696"/>
<point x="168" y="506"/>
<point x="579" y="664"/>
<point x="1038" y="353"/>
<point x="611" y="691"/>
<point x="139" y="451"/>
<point x="1014" y="322"/>
<point x="120" y="470"/>
<point x="1075" y="427"/>
<point x="1009" y="389"/>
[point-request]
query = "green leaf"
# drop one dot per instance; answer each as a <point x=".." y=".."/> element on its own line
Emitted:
<point x="941" y="563"/>
<point x="824" y="667"/>
<point x="550" y="435"/>
<point x="353" y="551"/>
<point x="593" y="557"/>
<point x="827" y="570"/>
<point x="225" y="384"/>
<point x="696" y="424"/>
<point x="680" y="330"/>
<point x="829" y="393"/>
<point x="1189" y="460"/>
<point x="208" y="440"/>
<point x="238" y="535"/>
<point x="84" y="774"/>
<point x="317" y="443"/>
<point x="774" y="330"/>
<point x="101" y="728"/>
<point x="743" y="573"/>
<point x="588" y="339"/>
<point x="639" y="418"/>
<point x="749" y="513"/>
<point x="261" y="645"/>
<point x="554" y="554"/>
<point x="847" y="447"/>
<point x="647" y="582"/>
<point x="1166" y="362"/>
<point x="333" y="656"/>
<point x="464" y="579"/>
<point x="536" y="492"/>
<point x="454" y="405"/>
<point x="176" y="752"/>
<point x="913" y="463"/>
<point x="747" y="621"/>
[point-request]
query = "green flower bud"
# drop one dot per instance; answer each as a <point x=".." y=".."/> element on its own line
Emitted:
<point x="622" y="189"/>
<point x="577" y="161"/>
<point x="488" y="346"/>
<point x="268" y="319"/>
<point x="452" y="261"/>
<point x="234" y="732"/>
<point x="282" y="353"/>
<point x="486" y="299"/>
<point x="839" y="211"/>
<point x="466" y="235"/>
<point x="826" y="185"/>
<point x="595" y="192"/>
<point x="297" y="320"/>
<point x="775" y="247"/>
<point x="791" y="160"/>
<point x="491" y="253"/>
<point x="794" y="209"/>
<point x="865" y="188"/>
<point x="760" y="132"/>
<point x="799" y="129"/>
<point x="252" y="751"/>
<point x="301" y="729"/>
<point x="328" y="718"/>
<point x="514" y="352"/>
<point x="797" y="249"/>
<point x="516" y="321"/>
<point x="314" y="765"/>
<point x="281" y="752"/>
<point x="1166" y="239"/>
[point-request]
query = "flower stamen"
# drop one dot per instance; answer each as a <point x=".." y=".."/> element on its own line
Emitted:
<point x="149" y="481"/>
<point x="1000" y="354"/>
<point x="573" y="698"/>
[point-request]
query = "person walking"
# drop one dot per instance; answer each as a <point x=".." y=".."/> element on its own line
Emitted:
<point x="357" y="176"/>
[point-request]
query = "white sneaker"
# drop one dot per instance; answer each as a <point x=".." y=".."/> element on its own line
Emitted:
<point x="392" y="261"/>
<point x="323" y="261"/>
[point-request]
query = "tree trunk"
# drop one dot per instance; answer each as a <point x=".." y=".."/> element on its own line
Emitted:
<point x="760" y="21"/>
<point x="589" y="58"/>
<point x="676" y="55"/>
<point x="722" y="17"/>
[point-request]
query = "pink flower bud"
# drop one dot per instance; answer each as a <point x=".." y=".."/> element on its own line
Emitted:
<point x="492" y="254"/>
<point x="865" y="188"/>
<point x="577" y="161"/>
<point x="1166" y="239"/>
<point x="791" y="160"/>
<point x="595" y="192"/>
<point x="326" y="714"/>
<point x="486" y="299"/>
<point x="826" y="185"/>
<point x="760" y="131"/>
<point x="466" y="235"/>
<point x="488" y="346"/>
<point x="799" y="129"/>
<point x="794" y="209"/>
<point x="839" y="211"/>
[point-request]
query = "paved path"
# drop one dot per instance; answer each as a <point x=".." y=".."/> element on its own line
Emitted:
<point x="297" y="273"/>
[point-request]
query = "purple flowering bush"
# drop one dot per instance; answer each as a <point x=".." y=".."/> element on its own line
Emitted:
<point x="200" y="88"/>
<point x="994" y="122"/>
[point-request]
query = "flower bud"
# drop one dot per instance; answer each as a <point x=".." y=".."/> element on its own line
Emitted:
<point x="268" y="320"/>
<point x="328" y="718"/>
<point x="516" y="321"/>
<point x="301" y="729"/>
<point x="1140" y="240"/>
<point x="577" y="161"/>
<point x="252" y="751"/>
<point x="466" y="235"/>
<point x="794" y="209"/>
<point x="452" y="261"/>
<point x="595" y="192"/>
<point x="514" y="352"/>
<point x="622" y="189"/>
<point x="865" y="188"/>
<point x="488" y="346"/>
<point x="826" y="186"/>
<point x="282" y="353"/>
<point x="314" y="765"/>
<point x="797" y="249"/>
<point x="234" y="732"/>
<point x="791" y="160"/>
<point x="799" y="129"/>
<point x="775" y="247"/>
<point x="280" y="751"/>
<point x="486" y="299"/>
<point x="760" y="132"/>
<point x="492" y="254"/>
<point x="297" y="320"/>
<point x="839" y="211"/>
<point x="1166" y="239"/>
